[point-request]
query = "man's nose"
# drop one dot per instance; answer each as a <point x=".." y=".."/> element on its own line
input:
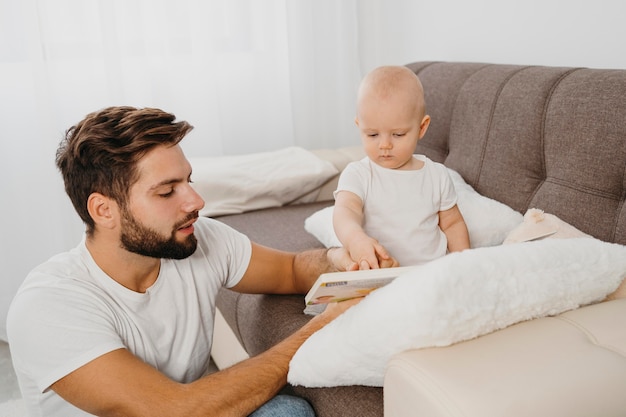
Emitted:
<point x="193" y="200"/>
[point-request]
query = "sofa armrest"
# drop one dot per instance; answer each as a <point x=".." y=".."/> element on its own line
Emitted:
<point x="573" y="364"/>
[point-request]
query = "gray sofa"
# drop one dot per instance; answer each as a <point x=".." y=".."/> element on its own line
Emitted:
<point x="528" y="136"/>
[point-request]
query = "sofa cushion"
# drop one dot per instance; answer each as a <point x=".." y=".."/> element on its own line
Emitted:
<point x="278" y="227"/>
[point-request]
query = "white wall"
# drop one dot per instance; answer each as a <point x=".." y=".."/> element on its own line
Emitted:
<point x="535" y="32"/>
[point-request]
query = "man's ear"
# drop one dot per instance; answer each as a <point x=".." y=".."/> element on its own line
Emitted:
<point x="103" y="210"/>
<point x="424" y="126"/>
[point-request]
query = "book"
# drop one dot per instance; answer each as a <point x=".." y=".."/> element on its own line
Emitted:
<point x="340" y="286"/>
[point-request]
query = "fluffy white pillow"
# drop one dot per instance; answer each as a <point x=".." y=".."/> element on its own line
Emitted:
<point x="454" y="298"/>
<point x="488" y="221"/>
<point x="239" y="183"/>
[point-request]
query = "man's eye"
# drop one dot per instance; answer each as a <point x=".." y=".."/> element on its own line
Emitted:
<point x="167" y="194"/>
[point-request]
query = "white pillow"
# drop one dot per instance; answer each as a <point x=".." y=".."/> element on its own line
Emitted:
<point x="488" y="221"/>
<point x="239" y="183"/>
<point x="454" y="298"/>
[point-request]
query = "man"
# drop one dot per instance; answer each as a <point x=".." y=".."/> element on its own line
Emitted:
<point x="122" y="324"/>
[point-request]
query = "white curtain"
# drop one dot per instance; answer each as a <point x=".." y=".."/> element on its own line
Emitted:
<point x="249" y="75"/>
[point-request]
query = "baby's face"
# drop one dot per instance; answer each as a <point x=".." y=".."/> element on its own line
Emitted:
<point x="390" y="130"/>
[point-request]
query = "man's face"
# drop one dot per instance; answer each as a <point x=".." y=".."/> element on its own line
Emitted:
<point x="158" y="221"/>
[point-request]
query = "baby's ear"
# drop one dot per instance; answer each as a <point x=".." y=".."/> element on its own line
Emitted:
<point x="424" y="126"/>
<point x="356" y="121"/>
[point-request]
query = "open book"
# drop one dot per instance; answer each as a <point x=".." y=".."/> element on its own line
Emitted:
<point x="339" y="286"/>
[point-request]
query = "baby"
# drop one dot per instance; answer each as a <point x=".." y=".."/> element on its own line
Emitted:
<point x="394" y="203"/>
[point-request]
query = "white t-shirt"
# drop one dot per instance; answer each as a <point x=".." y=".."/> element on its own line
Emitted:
<point x="69" y="312"/>
<point x="401" y="207"/>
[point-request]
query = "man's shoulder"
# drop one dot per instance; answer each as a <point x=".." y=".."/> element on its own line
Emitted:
<point x="60" y="276"/>
<point x="63" y="280"/>
<point x="70" y="264"/>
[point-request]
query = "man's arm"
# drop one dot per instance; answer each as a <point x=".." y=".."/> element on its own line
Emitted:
<point x="277" y="272"/>
<point x="120" y="384"/>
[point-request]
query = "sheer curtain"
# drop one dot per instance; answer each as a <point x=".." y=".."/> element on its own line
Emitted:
<point x="249" y="75"/>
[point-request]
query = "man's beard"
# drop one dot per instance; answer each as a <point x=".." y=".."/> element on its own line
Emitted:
<point x="142" y="240"/>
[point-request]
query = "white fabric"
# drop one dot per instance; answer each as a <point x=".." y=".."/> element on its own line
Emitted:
<point x="454" y="298"/>
<point x="69" y="312"/>
<point x="239" y="183"/>
<point x="401" y="207"/>
<point x="488" y="221"/>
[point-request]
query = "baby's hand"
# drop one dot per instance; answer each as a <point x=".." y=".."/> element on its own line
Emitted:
<point x="369" y="254"/>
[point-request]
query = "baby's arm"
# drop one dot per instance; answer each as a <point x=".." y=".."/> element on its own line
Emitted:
<point x="453" y="226"/>
<point x="348" y="225"/>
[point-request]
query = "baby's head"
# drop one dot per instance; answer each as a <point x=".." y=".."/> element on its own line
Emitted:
<point x="391" y="115"/>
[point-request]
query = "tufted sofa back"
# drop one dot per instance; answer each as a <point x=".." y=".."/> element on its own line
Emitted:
<point x="543" y="137"/>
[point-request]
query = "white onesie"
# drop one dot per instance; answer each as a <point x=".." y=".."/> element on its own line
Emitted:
<point x="401" y="206"/>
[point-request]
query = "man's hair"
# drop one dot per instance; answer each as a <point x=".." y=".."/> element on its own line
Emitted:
<point x="101" y="152"/>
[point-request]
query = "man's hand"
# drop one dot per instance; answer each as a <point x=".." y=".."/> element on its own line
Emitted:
<point x="339" y="260"/>
<point x="334" y="310"/>
<point x="388" y="263"/>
